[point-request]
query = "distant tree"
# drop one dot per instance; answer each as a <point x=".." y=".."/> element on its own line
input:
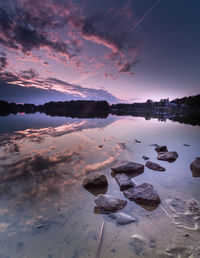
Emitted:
<point x="149" y="103"/>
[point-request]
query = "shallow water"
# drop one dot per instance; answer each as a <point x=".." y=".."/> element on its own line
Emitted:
<point x="45" y="212"/>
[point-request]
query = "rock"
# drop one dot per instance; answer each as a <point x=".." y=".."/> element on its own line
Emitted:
<point x="144" y="193"/>
<point x="185" y="144"/>
<point x="161" y="149"/>
<point x="169" y="156"/>
<point x="122" y="218"/>
<point x="137" y="141"/>
<point x="129" y="168"/>
<point x="195" y="165"/>
<point x="108" y="203"/>
<point x="145" y="157"/>
<point x="152" y="243"/>
<point x="95" y="180"/>
<point x="137" y="244"/>
<point x="124" y="181"/>
<point x="20" y="245"/>
<point x="154" y="166"/>
<point x="154" y="144"/>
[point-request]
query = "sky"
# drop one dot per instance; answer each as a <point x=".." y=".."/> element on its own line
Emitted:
<point x="115" y="50"/>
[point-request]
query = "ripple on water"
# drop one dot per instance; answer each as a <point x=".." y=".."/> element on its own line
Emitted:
<point x="185" y="214"/>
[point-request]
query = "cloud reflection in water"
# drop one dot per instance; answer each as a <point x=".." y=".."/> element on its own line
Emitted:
<point x="43" y="167"/>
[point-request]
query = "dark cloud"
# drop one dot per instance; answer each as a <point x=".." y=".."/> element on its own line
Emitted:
<point x="28" y="86"/>
<point x="25" y="29"/>
<point x="126" y="11"/>
<point x="3" y="61"/>
<point x="28" y="74"/>
<point x="26" y="25"/>
<point x="117" y="38"/>
<point x="127" y="66"/>
<point x="84" y="92"/>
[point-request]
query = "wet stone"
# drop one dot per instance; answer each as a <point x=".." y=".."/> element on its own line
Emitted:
<point x="144" y="194"/>
<point x="122" y="218"/>
<point x="195" y="165"/>
<point x="154" y="166"/>
<point x="170" y="156"/>
<point x="20" y="245"/>
<point x="108" y="203"/>
<point x="124" y="181"/>
<point x="137" y="244"/>
<point x="95" y="180"/>
<point x="129" y="168"/>
<point x="113" y="251"/>
<point x="161" y="149"/>
<point x="137" y="141"/>
<point x="152" y="243"/>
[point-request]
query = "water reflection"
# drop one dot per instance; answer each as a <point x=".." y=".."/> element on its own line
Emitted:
<point x="41" y="196"/>
<point x="97" y="190"/>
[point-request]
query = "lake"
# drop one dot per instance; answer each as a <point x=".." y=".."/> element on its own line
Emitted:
<point x="45" y="211"/>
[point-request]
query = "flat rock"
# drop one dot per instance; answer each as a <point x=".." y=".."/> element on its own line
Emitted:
<point x="154" y="166"/>
<point x="95" y="180"/>
<point x="137" y="244"/>
<point x="108" y="203"/>
<point x="122" y="218"/>
<point x="124" y="181"/>
<point x="161" y="149"/>
<point x="129" y="168"/>
<point x="195" y="165"/>
<point x="169" y="156"/>
<point x="145" y="157"/>
<point x="144" y="193"/>
<point x="154" y="144"/>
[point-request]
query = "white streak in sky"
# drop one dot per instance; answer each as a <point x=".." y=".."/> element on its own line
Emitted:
<point x="144" y="16"/>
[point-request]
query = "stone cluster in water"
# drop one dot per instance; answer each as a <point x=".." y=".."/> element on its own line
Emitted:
<point x="142" y="194"/>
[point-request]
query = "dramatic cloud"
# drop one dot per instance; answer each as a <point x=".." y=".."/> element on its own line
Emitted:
<point x="61" y="90"/>
<point x="21" y="28"/>
<point x="59" y="27"/>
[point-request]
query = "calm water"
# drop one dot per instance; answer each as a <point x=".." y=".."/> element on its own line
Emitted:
<point x="45" y="212"/>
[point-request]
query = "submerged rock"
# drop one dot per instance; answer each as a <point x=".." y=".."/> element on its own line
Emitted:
<point x="187" y="145"/>
<point x="137" y="244"/>
<point x="137" y="141"/>
<point x="129" y="168"/>
<point x="108" y="203"/>
<point x="154" y="166"/>
<point x="195" y="165"/>
<point x="124" y="181"/>
<point x="144" y="193"/>
<point x="145" y="157"/>
<point x="169" y="156"/>
<point x="161" y="149"/>
<point x="95" y="180"/>
<point x="122" y="218"/>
